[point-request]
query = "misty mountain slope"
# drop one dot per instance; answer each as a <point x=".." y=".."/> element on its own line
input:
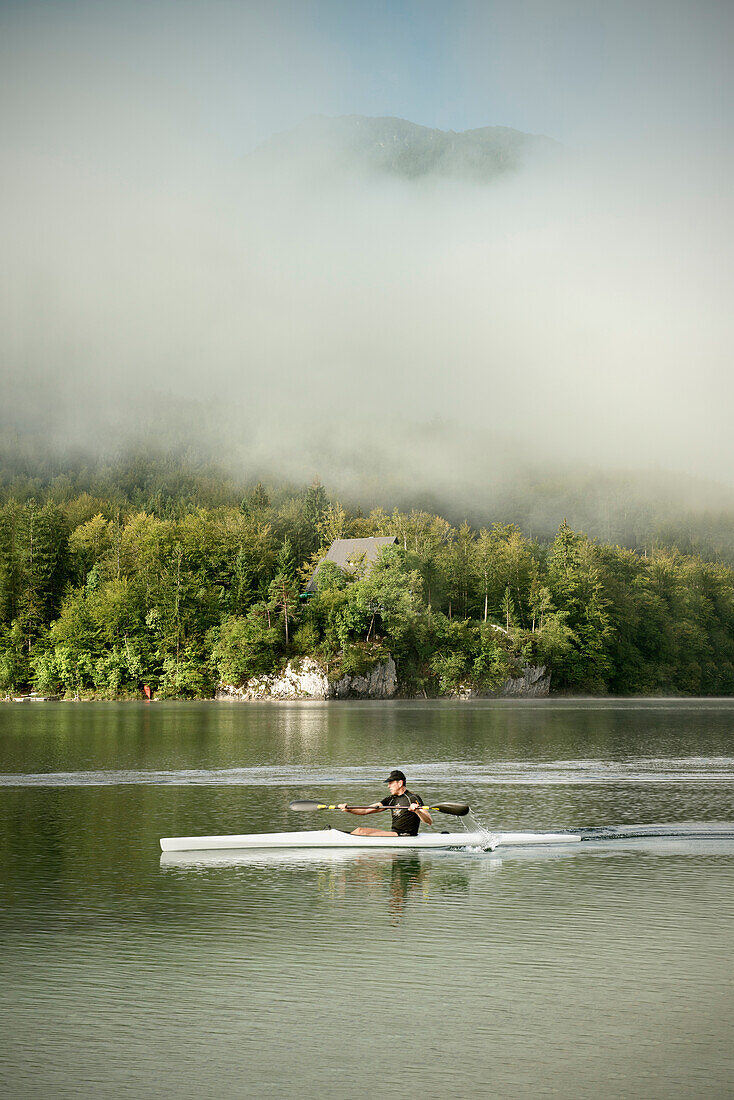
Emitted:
<point x="416" y="467"/>
<point x="355" y="143"/>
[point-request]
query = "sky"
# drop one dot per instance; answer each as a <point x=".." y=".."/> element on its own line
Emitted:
<point x="574" y="316"/>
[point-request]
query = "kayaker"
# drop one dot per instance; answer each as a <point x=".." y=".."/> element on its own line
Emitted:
<point x="407" y="809"/>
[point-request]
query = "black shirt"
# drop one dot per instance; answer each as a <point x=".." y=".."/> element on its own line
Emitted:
<point x="404" y="822"/>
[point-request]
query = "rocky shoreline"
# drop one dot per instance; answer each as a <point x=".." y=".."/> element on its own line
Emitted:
<point x="307" y="679"/>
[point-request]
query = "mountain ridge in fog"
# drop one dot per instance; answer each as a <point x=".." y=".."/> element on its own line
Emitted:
<point x="409" y="335"/>
<point x="632" y="508"/>
<point x="398" y="147"/>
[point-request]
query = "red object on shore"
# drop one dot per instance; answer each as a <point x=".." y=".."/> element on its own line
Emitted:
<point x="146" y="689"/>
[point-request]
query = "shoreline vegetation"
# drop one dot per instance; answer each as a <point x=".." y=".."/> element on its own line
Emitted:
<point x="105" y="593"/>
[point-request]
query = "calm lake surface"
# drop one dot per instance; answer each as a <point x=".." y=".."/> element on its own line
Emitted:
<point x="587" y="972"/>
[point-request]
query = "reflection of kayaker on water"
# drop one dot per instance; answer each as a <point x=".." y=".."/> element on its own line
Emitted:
<point x="407" y="810"/>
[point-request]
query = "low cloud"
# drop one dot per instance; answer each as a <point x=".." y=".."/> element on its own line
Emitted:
<point x="571" y="315"/>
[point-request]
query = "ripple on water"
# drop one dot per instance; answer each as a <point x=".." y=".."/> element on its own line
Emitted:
<point x="687" y="770"/>
<point x="590" y="970"/>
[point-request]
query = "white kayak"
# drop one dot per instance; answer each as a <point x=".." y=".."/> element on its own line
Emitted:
<point x="335" y="838"/>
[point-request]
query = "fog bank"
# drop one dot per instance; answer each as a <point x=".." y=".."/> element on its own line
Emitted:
<point x="313" y="317"/>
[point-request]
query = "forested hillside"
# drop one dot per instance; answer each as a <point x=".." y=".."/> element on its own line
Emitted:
<point x="178" y="585"/>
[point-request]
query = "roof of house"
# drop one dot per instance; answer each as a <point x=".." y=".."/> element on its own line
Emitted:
<point x="344" y="552"/>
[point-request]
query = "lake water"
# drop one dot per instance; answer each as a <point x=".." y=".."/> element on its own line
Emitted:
<point x="590" y="971"/>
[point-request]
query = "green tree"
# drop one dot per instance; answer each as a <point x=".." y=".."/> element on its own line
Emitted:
<point x="42" y="545"/>
<point x="245" y="647"/>
<point x="576" y="586"/>
<point x="256" y="500"/>
<point x="504" y="558"/>
<point x="458" y="565"/>
<point x="89" y="544"/>
<point x="14" y="665"/>
<point x="508" y="608"/>
<point x="316" y="503"/>
<point x="284" y="589"/>
<point x="390" y="593"/>
<point x="11" y="556"/>
<point x="334" y="524"/>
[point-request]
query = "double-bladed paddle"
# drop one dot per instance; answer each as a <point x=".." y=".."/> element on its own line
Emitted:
<point x="458" y="809"/>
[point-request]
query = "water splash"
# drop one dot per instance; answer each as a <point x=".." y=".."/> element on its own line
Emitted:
<point x="477" y="824"/>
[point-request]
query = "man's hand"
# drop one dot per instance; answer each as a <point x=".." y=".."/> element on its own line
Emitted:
<point x="342" y="807"/>
<point x="415" y="806"/>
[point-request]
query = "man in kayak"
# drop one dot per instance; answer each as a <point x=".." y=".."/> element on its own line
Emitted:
<point x="407" y="810"/>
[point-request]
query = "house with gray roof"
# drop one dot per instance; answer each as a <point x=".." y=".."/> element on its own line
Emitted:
<point x="348" y="554"/>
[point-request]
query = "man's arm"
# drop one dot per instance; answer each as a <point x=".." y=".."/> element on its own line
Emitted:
<point x="422" y="814"/>
<point x="361" y="811"/>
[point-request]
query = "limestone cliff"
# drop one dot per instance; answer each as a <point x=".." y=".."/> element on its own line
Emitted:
<point x="305" y="678"/>
<point x="533" y="684"/>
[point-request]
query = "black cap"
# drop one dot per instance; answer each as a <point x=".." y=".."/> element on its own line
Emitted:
<point x="395" y="774"/>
